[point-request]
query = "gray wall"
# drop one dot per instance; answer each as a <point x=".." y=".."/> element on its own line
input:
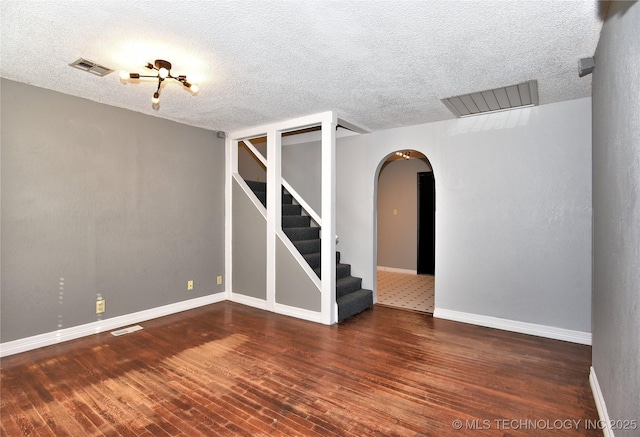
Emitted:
<point x="98" y="200"/>
<point x="302" y="168"/>
<point x="249" y="247"/>
<point x="398" y="234"/>
<point x="513" y="220"/>
<point x="616" y="204"/>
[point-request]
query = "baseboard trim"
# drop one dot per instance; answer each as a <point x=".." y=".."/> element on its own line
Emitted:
<point x="55" y="337"/>
<point x="249" y="301"/>
<point x="515" y="326"/>
<point x="299" y="313"/>
<point x="395" y="270"/>
<point x="603" y="414"/>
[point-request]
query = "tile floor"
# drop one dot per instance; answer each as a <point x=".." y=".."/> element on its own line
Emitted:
<point x="402" y="290"/>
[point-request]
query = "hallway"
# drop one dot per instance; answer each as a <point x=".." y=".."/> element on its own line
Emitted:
<point x="407" y="291"/>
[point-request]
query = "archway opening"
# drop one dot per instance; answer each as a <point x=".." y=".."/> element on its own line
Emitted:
<point x="405" y="232"/>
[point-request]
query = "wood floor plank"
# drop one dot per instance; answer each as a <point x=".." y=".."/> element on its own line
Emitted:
<point x="227" y="369"/>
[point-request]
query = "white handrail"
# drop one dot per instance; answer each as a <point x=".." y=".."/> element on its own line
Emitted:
<point x="255" y="151"/>
<point x="314" y="215"/>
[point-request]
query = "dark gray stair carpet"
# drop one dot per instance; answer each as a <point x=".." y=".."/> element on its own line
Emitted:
<point x="342" y="271"/>
<point x="297" y="234"/>
<point x="308" y="246"/>
<point x="313" y="259"/>
<point x="350" y="296"/>
<point x="354" y="303"/>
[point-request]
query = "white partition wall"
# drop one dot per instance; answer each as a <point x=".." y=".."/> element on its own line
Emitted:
<point x="292" y="287"/>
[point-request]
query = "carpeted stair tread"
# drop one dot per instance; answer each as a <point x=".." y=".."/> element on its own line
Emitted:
<point x="354" y="303"/>
<point x="295" y="221"/>
<point x="347" y="285"/>
<point x="297" y="234"/>
<point x="291" y="209"/>
<point x="342" y="271"/>
<point x="313" y="259"/>
<point x="308" y="246"/>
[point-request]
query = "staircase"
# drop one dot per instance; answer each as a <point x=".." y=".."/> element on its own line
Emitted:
<point x="350" y="296"/>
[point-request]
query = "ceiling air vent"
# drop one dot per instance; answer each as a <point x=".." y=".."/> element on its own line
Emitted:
<point x="499" y="99"/>
<point x="91" y="67"/>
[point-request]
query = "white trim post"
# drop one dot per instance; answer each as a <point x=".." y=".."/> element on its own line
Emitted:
<point x="274" y="209"/>
<point x="231" y="167"/>
<point x="328" y="213"/>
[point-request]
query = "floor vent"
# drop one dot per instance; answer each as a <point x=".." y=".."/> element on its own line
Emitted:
<point x="128" y="330"/>
<point x="499" y="99"/>
<point x="91" y="67"/>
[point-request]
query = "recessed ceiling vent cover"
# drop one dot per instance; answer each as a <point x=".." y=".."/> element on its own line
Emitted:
<point x="128" y="330"/>
<point x="91" y="67"/>
<point x="499" y="99"/>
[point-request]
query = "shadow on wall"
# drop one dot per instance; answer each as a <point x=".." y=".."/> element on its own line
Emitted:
<point x="249" y="167"/>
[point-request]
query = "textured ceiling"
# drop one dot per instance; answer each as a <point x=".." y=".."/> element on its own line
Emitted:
<point x="379" y="64"/>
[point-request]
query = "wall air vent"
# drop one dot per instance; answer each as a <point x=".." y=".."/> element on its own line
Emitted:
<point x="128" y="330"/>
<point x="495" y="100"/>
<point x="91" y="67"/>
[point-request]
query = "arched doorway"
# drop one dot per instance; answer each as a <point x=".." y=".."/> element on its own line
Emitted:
<point x="405" y="218"/>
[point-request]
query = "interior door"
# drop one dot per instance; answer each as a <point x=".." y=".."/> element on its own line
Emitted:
<point x="426" y="223"/>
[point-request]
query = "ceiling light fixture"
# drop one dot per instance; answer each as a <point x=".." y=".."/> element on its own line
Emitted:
<point x="163" y="69"/>
<point x="406" y="154"/>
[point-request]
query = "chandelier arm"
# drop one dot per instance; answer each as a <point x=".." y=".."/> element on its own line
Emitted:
<point x="163" y="71"/>
<point x="178" y="78"/>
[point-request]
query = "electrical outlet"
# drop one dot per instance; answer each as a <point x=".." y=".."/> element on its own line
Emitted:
<point x="101" y="306"/>
<point x="189" y="285"/>
<point x="219" y="280"/>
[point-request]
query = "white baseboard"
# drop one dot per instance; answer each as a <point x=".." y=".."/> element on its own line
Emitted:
<point x="285" y="310"/>
<point x="299" y="313"/>
<point x="600" y="405"/>
<point x="50" y="338"/>
<point x="395" y="270"/>
<point x="248" y="301"/>
<point x="515" y="326"/>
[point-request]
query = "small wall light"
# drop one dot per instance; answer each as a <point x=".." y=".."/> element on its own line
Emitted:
<point x="406" y="154"/>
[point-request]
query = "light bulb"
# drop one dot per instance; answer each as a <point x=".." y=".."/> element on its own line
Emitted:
<point x="163" y="73"/>
<point x="124" y="75"/>
<point x="156" y="98"/>
<point x="194" y="88"/>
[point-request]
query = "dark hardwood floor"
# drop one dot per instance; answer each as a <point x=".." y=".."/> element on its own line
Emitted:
<point x="227" y="369"/>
